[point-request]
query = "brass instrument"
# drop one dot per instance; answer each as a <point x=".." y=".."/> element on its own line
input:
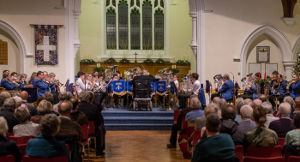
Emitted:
<point x="110" y="72"/>
<point x="14" y="81"/>
<point x="218" y="81"/>
<point x="291" y="82"/>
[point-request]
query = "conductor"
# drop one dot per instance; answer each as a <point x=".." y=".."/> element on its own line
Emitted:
<point x="143" y="76"/>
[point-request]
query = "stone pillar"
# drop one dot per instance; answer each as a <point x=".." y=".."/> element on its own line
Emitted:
<point x="194" y="34"/>
<point x="288" y="68"/>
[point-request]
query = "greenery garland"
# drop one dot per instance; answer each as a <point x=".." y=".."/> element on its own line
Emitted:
<point x="161" y="61"/>
<point x="175" y="70"/>
<point x="110" y="61"/>
<point x="87" y="61"/>
<point x="124" y="61"/>
<point x="99" y="69"/>
<point x="182" y="62"/>
<point x="148" y="62"/>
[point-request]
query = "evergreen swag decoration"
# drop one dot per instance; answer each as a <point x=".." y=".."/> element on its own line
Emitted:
<point x="182" y="62"/>
<point x="124" y="61"/>
<point x="175" y="70"/>
<point x="110" y="61"/>
<point x="261" y="81"/>
<point x="296" y="68"/>
<point x="87" y="61"/>
<point x="161" y="61"/>
<point x="148" y="62"/>
<point x="99" y="69"/>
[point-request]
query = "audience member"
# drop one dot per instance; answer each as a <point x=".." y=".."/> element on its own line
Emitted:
<point x="34" y="110"/>
<point x="69" y="130"/>
<point x="296" y="107"/>
<point x="3" y="95"/>
<point x="177" y="127"/>
<point x="15" y="94"/>
<point x="269" y="111"/>
<point x="216" y="100"/>
<point x="229" y="126"/>
<point x="247" y="124"/>
<point x="285" y="123"/>
<point x="44" y="107"/>
<point x="49" y="97"/>
<point x="8" y="113"/>
<point x="261" y="136"/>
<point x="217" y="146"/>
<point x="239" y="105"/>
<point x="62" y="97"/>
<point x="250" y="102"/>
<point x="69" y="96"/>
<point x="290" y="101"/>
<point x="292" y="137"/>
<point x="18" y="101"/>
<point x="78" y="116"/>
<point x="207" y="112"/>
<point x="196" y="111"/>
<point x="93" y="114"/>
<point x="200" y="121"/>
<point x="8" y="147"/>
<point x="24" y="96"/>
<point x="26" y="127"/>
<point x="45" y="145"/>
<point x="256" y="103"/>
<point x="263" y="98"/>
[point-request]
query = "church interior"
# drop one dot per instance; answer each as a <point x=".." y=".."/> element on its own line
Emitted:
<point x="152" y="80"/>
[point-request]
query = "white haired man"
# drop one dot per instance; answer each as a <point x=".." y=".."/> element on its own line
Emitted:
<point x="285" y="123"/>
<point x="269" y="111"/>
<point x="247" y="124"/>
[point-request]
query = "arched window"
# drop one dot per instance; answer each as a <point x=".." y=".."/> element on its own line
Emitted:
<point x="135" y="25"/>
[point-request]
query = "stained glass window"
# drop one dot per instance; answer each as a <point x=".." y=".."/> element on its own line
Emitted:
<point x="131" y="3"/>
<point x="111" y="28"/>
<point x="138" y="2"/>
<point x="114" y="2"/>
<point x="156" y="3"/>
<point x="147" y="25"/>
<point x="107" y="2"/>
<point x="162" y="3"/>
<point x="135" y="28"/>
<point x="159" y="30"/>
<point x="123" y="25"/>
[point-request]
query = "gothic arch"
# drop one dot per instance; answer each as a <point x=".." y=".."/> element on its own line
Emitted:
<point x="296" y="47"/>
<point x="277" y="37"/>
<point x="18" y="40"/>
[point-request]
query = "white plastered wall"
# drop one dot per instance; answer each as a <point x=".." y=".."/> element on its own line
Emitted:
<point x="19" y="14"/>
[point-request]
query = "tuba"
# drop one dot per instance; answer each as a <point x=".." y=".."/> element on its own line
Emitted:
<point x="218" y="81"/>
<point x="110" y="72"/>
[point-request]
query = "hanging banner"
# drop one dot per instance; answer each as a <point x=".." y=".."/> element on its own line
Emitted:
<point x="46" y="44"/>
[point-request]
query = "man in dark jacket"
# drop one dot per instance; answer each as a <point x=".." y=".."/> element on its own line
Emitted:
<point x="93" y="114"/>
<point x="143" y="76"/>
<point x="8" y="113"/>
<point x="229" y="126"/>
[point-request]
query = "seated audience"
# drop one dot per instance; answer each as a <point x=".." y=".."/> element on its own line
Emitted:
<point x="93" y="114"/>
<point x="8" y="113"/>
<point x="207" y="112"/>
<point x="18" y="101"/>
<point x="34" y="110"/>
<point x="78" y="116"/>
<point x="239" y="104"/>
<point x="256" y="103"/>
<point x="69" y="96"/>
<point x="247" y="124"/>
<point x="217" y="146"/>
<point x="296" y="107"/>
<point x="293" y="137"/>
<point x="8" y="147"/>
<point x="62" y="96"/>
<point x="269" y="111"/>
<point x="263" y="98"/>
<point x="289" y="100"/>
<point x="24" y="96"/>
<point x="177" y="127"/>
<point x="200" y="121"/>
<point x="229" y="126"/>
<point x="45" y="145"/>
<point x="285" y="123"/>
<point x="26" y="127"/>
<point x="196" y="111"/>
<point x="261" y="136"/>
<point x="69" y="130"/>
<point x="44" y="107"/>
<point x="3" y="95"/>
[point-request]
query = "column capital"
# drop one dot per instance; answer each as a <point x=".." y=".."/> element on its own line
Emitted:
<point x="287" y="64"/>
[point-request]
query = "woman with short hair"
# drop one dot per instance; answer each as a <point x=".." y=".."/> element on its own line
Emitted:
<point x="26" y="127"/>
<point x="8" y="147"/>
<point x="292" y="137"/>
<point x="45" y="145"/>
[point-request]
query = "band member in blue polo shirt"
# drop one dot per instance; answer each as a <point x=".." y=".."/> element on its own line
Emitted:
<point x="40" y="84"/>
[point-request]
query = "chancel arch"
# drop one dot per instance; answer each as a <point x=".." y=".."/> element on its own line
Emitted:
<point x="17" y="39"/>
<point x="296" y="47"/>
<point x="279" y="40"/>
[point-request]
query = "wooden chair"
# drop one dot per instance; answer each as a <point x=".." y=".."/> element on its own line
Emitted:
<point x="36" y="159"/>
<point x="259" y="159"/>
<point x="21" y="140"/>
<point x="2" y="89"/>
<point x="281" y="142"/>
<point x="197" y="136"/>
<point x="239" y="152"/>
<point x="85" y="140"/>
<point x="176" y="114"/>
<point x="264" y="151"/>
<point x="7" y="158"/>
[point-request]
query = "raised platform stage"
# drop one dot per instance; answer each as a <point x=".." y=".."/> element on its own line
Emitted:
<point x="121" y="119"/>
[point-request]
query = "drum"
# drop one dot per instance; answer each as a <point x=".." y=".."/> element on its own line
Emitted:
<point x="161" y="87"/>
